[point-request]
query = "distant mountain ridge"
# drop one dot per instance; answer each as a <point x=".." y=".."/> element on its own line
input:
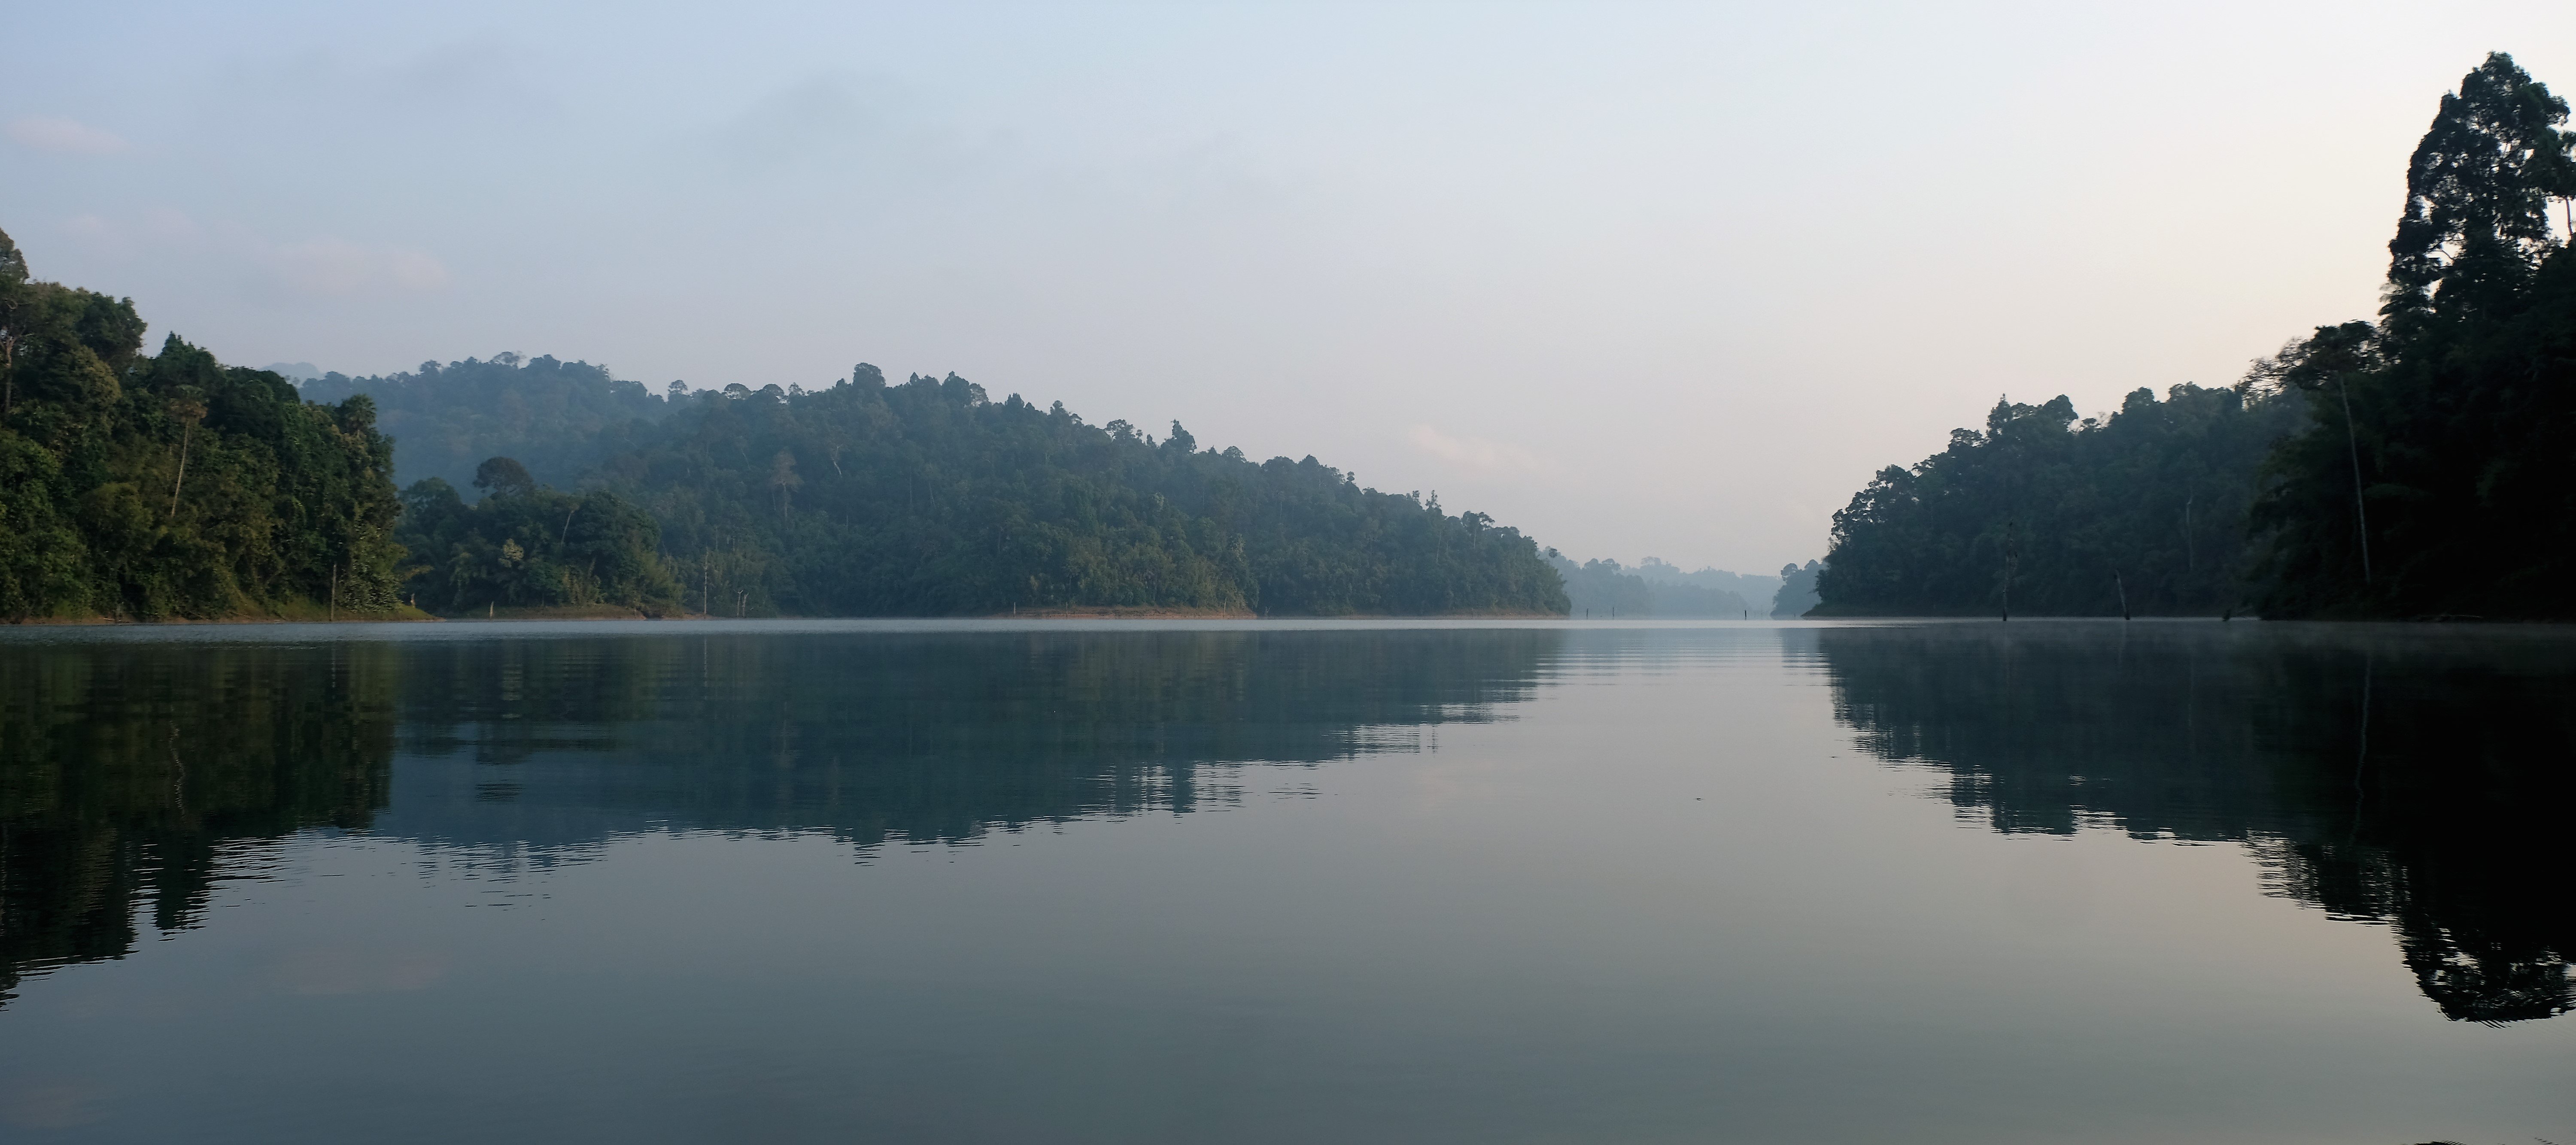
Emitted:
<point x="864" y="499"/>
<point x="1750" y="586"/>
<point x="1604" y="589"/>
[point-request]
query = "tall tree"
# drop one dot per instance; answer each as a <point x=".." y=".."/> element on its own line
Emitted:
<point x="13" y="313"/>
<point x="2451" y="416"/>
<point x="2478" y="192"/>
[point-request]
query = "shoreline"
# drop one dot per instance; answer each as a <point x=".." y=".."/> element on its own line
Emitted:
<point x="594" y="613"/>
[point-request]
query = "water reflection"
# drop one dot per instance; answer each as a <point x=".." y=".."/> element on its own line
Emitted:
<point x="2419" y="778"/>
<point x="141" y="773"/>
<point x="132" y="772"/>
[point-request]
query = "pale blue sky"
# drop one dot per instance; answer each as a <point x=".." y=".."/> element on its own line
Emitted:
<point x="1641" y="279"/>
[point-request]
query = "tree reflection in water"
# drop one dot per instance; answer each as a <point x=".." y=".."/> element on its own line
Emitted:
<point x="134" y="775"/>
<point x="2412" y="776"/>
<point x="141" y="773"/>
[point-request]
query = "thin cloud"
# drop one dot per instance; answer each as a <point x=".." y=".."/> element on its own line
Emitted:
<point x="819" y="117"/>
<point x="1476" y="453"/>
<point x="322" y="267"/>
<point x="63" y="136"/>
<point x="334" y="268"/>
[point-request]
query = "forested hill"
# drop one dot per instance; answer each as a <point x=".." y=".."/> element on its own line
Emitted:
<point x="2048" y="515"/>
<point x="558" y="418"/>
<point x="2409" y="467"/>
<point x="927" y="498"/>
<point x="168" y="486"/>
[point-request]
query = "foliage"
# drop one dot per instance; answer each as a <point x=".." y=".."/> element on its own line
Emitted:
<point x="2420" y="466"/>
<point x="525" y="545"/>
<point x="928" y="499"/>
<point x="2149" y="505"/>
<point x="2430" y="477"/>
<point x="172" y="486"/>
<point x="561" y="417"/>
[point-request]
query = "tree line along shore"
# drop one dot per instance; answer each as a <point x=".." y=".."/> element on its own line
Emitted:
<point x="2406" y="467"/>
<point x="167" y="486"/>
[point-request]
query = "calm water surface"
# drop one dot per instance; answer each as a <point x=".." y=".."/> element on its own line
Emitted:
<point x="2043" y="882"/>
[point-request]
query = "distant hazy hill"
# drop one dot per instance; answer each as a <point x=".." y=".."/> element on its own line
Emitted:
<point x="1602" y="589"/>
<point x="925" y="498"/>
<point x="557" y="418"/>
<point x="1654" y="570"/>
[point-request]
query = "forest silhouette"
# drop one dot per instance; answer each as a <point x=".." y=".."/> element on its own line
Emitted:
<point x="2407" y="468"/>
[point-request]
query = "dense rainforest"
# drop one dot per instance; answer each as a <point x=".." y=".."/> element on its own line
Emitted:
<point x="2045" y="513"/>
<point x="2410" y="467"/>
<point x="2430" y="477"/>
<point x="526" y="545"/>
<point x="925" y="498"/>
<point x="170" y="486"/>
<point x="928" y="498"/>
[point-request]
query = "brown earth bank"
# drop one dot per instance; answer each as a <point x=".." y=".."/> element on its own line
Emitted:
<point x="1828" y="612"/>
<point x="299" y="613"/>
<point x="563" y="612"/>
<point x="1124" y="612"/>
<point x="320" y="613"/>
<point x="1151" y="613"/>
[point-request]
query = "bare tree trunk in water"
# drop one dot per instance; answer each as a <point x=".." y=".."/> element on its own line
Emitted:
<point x="184" y="433"/>
<point x="2012" y="553"/>
<point x="2352" y="441"/>
<point x="2190" y="555"/>
<point x="2123" y="590"/>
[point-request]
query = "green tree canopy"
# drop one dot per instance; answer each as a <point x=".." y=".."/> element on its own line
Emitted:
<point x="170" y="485"/>
<point x="528" y="546"/>
<point x="929" y="498"/>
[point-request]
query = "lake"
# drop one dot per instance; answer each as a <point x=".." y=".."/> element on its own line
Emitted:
<point x="1287" y="882"/>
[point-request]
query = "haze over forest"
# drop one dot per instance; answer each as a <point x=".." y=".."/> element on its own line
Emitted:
<point x="1585" y="269"/>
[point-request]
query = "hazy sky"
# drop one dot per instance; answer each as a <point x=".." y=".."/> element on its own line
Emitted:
<point x="1641" y="279"/>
